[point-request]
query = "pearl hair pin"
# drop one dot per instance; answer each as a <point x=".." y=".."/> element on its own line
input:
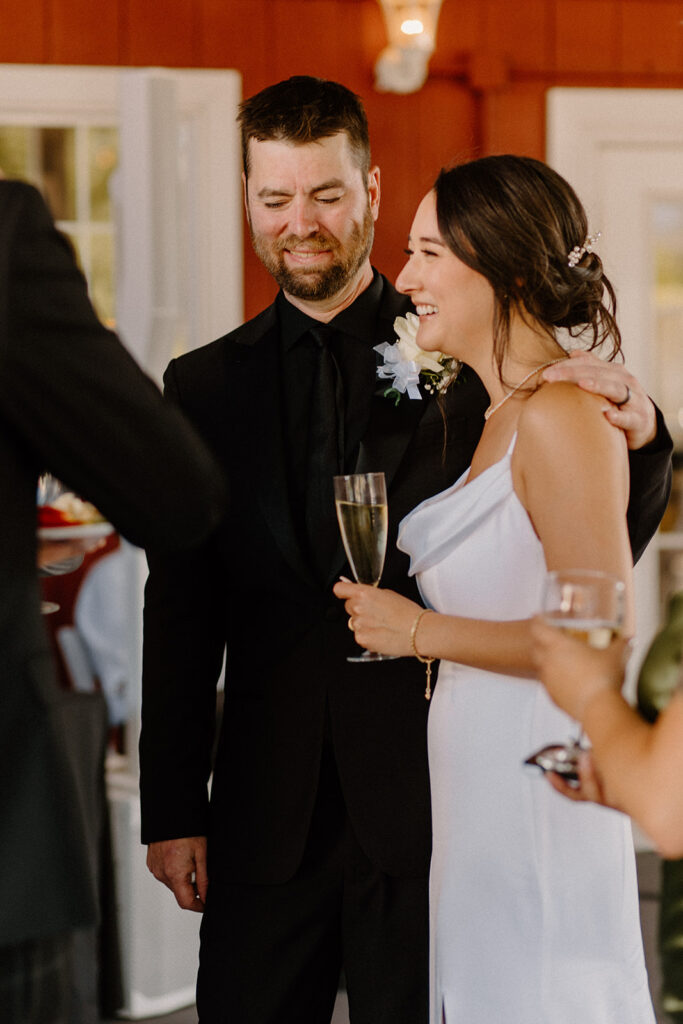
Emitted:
<point x="494" y="408"/>
<point x="579" y="251"/>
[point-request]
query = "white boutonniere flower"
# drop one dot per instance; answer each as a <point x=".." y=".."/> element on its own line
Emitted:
<point x="405" y="362"/>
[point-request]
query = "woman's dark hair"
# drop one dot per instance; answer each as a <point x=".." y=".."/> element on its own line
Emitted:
<point x="304" y="109"/>
<point x="515" y="220"/>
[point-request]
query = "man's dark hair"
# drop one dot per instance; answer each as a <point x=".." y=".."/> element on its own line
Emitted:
<point x="305" y="109"/>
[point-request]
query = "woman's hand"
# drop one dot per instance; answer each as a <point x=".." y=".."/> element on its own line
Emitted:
<point x="381" y="620"/>
<point x="590" y="784"/>
<point x="571" y="671"/>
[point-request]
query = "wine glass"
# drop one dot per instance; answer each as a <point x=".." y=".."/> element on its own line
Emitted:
<point x="363" y="515"/>
<point x="589" y="605"/>
<point x="49" y="488"/>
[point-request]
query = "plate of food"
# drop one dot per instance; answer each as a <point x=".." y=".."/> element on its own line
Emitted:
<point x="68" y="517"/>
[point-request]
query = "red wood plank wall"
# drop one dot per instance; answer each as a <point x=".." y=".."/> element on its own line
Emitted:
<point x="494" y="61"/>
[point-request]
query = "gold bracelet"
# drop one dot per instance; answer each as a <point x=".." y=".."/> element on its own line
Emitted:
<point x="425" y="661"/>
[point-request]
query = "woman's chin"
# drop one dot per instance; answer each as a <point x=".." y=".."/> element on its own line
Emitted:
<point x="427" y="340"/>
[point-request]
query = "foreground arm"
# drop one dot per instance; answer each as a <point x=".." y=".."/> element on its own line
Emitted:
<point x="633" y="766"/>
<point x="82" y="406"/>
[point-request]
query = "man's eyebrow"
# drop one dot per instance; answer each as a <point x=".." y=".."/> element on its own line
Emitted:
<point x="269" y="193"/>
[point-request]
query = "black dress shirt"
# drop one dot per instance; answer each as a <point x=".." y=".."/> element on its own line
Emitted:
<point x="354" y="334"/>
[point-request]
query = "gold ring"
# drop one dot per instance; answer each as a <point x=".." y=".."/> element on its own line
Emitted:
<point x="351" y="627"/>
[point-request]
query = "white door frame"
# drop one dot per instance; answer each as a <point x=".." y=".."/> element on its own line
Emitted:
<point x="207" y="104"/>
<point x="621" y="149"/>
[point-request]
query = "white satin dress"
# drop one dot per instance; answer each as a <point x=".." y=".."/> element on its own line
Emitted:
<point x="533" y="899"/>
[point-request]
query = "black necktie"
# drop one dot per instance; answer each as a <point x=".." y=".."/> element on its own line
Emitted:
<point x="325" y="452"/>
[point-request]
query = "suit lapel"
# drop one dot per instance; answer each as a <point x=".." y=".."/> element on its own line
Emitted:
<point x="391" y="425"/>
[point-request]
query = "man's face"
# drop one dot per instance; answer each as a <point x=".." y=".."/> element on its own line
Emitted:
<point x="311" y="214"/>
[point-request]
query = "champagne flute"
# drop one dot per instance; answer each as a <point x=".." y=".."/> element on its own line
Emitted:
<point x="589" y="605"/>
<point x="49" y="488"/>
<point x="363" y="515"/>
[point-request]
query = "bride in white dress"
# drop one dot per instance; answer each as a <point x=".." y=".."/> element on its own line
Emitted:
<point x="533" y="899"/>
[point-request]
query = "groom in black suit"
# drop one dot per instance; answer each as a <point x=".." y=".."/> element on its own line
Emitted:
<point x="313" y="852"/>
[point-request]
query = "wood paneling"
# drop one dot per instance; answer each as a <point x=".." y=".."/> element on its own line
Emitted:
<point x="515" y="121"/>
<point x="521" y="31"/>
<point x="238" y="35"/>
<point x="586" y="36"/>
<point x="23" y="37"/>
<point x="651" y="36"/>
<point x="494" y="61"/>
<point x="161" y="33"/>
<point x="82" y="32"/>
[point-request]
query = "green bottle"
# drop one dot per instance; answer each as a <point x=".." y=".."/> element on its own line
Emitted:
<point x="660" y="673"/>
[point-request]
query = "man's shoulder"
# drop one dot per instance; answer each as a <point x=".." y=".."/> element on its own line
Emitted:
<point x="228" y="346"/>
<point x="22" y="208"/>
<point x="14" y="191"/>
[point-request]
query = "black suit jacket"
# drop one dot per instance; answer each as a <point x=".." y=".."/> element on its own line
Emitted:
<point x="286" y="636"/>
<point x="74" y="402"/>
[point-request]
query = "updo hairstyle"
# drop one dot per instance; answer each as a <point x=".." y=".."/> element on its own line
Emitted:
<point x="515" y="220"/>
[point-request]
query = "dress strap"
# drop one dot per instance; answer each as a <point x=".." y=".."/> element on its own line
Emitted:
<point x="511" y="446"/>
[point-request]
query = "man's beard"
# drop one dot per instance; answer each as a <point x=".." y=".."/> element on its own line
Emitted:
<point x="314" y="284"/>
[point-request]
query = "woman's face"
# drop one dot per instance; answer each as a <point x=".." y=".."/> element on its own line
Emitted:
<point x="455" y="304"/>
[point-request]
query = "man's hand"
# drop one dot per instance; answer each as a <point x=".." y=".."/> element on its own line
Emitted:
<point x="631" y="409"/>
<point x="181" y="865"/>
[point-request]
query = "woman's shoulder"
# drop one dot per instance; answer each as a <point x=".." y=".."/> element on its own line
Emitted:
<point x="560" y="420"/>
<point x="560" y="404"/>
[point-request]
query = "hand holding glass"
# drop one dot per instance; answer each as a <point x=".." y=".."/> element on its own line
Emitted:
<point x="362" y="512"/>
<point x="589" y="605"/>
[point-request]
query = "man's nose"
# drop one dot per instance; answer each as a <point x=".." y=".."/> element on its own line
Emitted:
<point x="303" y="217"/>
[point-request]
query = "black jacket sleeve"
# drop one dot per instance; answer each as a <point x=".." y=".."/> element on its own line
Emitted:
<point x="184" y="642"/>
<point x="78" y="402"/>
<point x="651" y="475"/>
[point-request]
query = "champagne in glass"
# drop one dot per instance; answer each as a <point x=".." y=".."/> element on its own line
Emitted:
<point x="589" y="605"/>
<point x="362" y="512"/>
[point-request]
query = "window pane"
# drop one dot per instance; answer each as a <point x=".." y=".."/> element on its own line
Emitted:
<point x="667" y="225"/>
<point x="102" y="276"/>
<point x="667" y="222"/>
<point x="14" y="144"/>
<point x="102" y="160"/>
<point x="56" y="147"/>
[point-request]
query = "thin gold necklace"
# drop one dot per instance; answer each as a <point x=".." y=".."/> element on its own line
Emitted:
<point x="494" y="408"/>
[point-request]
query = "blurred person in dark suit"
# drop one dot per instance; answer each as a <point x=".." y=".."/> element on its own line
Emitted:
<point x="74" y="403"/>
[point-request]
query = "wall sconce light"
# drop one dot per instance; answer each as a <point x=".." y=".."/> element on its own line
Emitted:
<point x="411" y="29"/>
